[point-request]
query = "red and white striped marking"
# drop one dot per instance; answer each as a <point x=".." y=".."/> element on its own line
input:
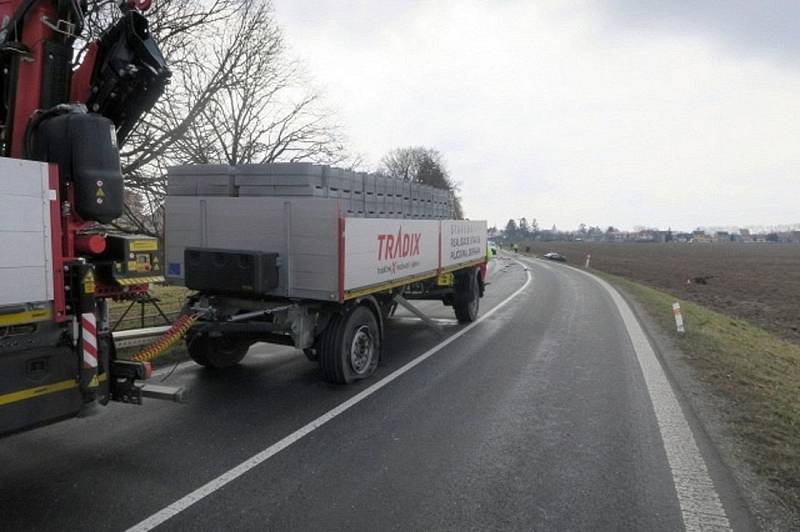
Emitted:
<point x="89" y="334"/>
<point x="676" y="311"/>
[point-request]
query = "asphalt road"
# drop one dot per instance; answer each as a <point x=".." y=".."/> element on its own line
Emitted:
<point x="539" y="417"/>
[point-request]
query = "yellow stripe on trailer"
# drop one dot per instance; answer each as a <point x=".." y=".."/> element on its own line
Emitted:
<point x="463" y="265"/>
<point x="38" y="391"/>
<point x="383" y="287"/>
<point x="26" y="316"/>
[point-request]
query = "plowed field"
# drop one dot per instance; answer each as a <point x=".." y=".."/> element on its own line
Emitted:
<point x="756" y="282"/>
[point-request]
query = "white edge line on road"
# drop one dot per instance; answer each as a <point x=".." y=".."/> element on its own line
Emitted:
<point x="232" y="474"/>
<point x="700" y="505"/>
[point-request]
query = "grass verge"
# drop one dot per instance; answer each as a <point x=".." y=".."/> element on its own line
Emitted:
<point x="171" y="300"/>
<point x="757" y="372"/>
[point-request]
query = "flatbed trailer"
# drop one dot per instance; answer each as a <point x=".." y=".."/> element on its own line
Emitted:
<point x="313" y="270"/>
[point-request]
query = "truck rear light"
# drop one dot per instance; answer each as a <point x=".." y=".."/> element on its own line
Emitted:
<point x="90" y="244"/>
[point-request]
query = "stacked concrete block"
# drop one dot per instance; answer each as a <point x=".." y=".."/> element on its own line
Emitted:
<point x="201" y="180"/>
<point x="440" y="207"/>
<point x="405" y="198"/>
<point x="417" y="208"/>
<point x="358" y="193"/>
<point x="451" y="208"/>
<point x="288" y="179"/>
<point x="396" y="203"/>
<point x="370" y="195"/>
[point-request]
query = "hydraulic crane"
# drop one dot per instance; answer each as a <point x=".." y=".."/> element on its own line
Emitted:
<point x="67" y="104"/>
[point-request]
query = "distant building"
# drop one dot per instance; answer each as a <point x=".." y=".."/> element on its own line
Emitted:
<point x="700" y="237"/>
<point x="789" y="237"/>
<point x="722" y="236"/>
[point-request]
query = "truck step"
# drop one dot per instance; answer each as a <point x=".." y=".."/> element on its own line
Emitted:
<point x="176" y="394"/>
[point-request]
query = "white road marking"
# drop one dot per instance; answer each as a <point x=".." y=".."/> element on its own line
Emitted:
<point x="441" y="321"/>
<point x="229" y="476"/>
<point x="700" y="505"/>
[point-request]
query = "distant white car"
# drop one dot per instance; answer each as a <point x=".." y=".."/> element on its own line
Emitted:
<point x="555" y="256"/>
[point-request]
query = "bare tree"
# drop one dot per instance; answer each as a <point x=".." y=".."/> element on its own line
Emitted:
<point x="234" y="98"/>
<point x="266" y="114"/>
<point x="421" y="165"/>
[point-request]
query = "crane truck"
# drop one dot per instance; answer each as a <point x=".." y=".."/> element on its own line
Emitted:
<point x="61" y="128"/>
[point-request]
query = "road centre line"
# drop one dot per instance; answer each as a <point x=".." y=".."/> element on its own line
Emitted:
<point x="229" y="476"/>
<point x="701" y="508"/>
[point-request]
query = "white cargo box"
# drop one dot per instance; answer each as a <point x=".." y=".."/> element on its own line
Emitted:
<point x="323" y="253"/>
<point x="26" y="259"/>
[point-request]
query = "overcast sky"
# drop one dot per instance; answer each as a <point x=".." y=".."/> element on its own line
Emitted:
<point x="618" y="112"/>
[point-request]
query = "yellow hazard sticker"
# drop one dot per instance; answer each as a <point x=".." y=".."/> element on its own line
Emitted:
<point x="88" y="283"/>
<point x="140" y="280"/>
<point x="144" y="245"/>
<point x="132" y="266"/>
<point x="445" y="279"/>
<point x="100" y="193"/>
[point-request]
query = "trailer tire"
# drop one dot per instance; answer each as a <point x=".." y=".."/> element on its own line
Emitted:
<point x="350" y="346"/>
<point x="217" y="353"/>
<point x="467" y="297"/>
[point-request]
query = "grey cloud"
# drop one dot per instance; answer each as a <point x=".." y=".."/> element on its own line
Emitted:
<point x="751" y="28"/>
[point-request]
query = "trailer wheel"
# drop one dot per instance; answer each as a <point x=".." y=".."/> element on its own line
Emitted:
<point x="217" y="353"/>
<point x="467" y="297"/>
<point x="350" y="347"/>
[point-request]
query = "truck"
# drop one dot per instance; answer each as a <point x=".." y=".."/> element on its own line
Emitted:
<point x="314" y="257"/>
<point x="61" y="128"/>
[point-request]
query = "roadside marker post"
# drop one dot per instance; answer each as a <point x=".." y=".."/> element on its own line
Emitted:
<point x="588" y="259"/>
<point x="676" y="311"/>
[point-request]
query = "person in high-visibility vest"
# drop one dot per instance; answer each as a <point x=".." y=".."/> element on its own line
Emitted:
<point x="515" y="247"/>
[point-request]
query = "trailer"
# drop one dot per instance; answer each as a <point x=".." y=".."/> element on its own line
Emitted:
<point x="314" y="257"/>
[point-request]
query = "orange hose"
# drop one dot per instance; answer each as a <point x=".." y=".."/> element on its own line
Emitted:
<point x="172" y="335"/>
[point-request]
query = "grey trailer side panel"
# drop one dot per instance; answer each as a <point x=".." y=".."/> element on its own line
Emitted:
<point x="302" y="230"/>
